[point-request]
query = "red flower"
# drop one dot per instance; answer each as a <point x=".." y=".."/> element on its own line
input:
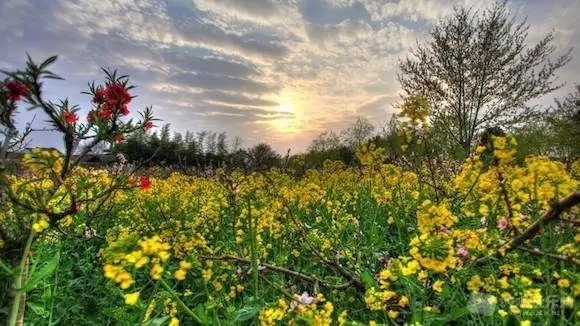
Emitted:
<point x="69" y="117"/>
<point x="15" y="90"/>
<point x="99" y="97"/>
<point x="120" y="137"/>
<point x="124" y="109"/>
<point x="144" y="182"/>
<point x="148" y="124"/>
<point x="105" y="113"/>
<point x="117" y="95"/>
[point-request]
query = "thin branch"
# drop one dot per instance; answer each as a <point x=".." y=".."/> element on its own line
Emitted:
<point x="547" y="254"/>
<point x="283" y="270"/>
<point x="557" y="208"/>
<point x="355" y="279"/>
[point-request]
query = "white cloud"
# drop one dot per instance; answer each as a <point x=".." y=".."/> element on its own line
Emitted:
<point x="414" y="10"/>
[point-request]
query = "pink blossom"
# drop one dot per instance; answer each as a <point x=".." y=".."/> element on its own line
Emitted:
<point x="502" y="224"/>
<point x="463" y="252"/>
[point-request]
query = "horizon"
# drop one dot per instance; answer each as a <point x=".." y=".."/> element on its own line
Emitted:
<point x="275" y="72"/>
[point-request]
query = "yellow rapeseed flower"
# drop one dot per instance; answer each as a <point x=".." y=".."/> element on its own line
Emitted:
<point x="437" y="286"/>
<point x="174" y="322"/>
<point x="132" y="298"/>
<point x="403" y="301"/>
<point x="568" y="302"/>
<point x="564" y="283"/>
<point x="180" y="274"/>
<point x="156" y="272"/>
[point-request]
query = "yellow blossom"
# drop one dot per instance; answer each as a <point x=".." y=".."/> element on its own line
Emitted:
<point x="568" y="302"/>
<point x="180" y="274"/>
<point x="564" y="283"/>
<point x="156" y="272"/>
<point x="437" y="286"/>
<point x="403" y="301"/>
<point x="132" y="298"/>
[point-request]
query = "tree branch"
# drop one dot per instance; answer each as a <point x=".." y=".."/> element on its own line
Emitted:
<point x="311" y="279"/>
<point x="547" y="254"/>
<point x="557" y="208"/>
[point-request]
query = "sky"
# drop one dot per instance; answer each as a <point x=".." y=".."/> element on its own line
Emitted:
<point x="279" y="72"/>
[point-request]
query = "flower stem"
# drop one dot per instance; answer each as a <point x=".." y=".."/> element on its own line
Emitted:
<point x="181" y="303"/>
<point x="18" y="281"/>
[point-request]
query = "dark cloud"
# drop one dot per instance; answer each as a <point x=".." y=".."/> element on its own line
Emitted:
<point x="323" y="12"/>
<point x="217" y="66"/>
<point x="216" y="109"/>
<point x="235" y="98"/>
<point x="213" y="36"/>
<point x="225" y="83"/>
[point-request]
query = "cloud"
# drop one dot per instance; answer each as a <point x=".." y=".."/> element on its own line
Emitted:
<point x="206" y="81"/>
<point x="257" y="11"/>
<point x="213" y="37"/>
<point x="236" y="99"/>
<point x="345" y="32"/>
<point x="208" y="65"/>
<point x="232" y="65"/>
<point x="415" y="10"/>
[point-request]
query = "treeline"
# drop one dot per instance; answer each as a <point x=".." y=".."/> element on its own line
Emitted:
<point x="193" y="152"/>
<point x="555" y="133"/>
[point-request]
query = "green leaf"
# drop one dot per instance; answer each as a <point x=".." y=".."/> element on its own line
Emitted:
<point x="458" y="314"/>
<point x="45" y="271"/>
<point x="48" y="62"/>
<point x="367" y="279"/>
<point x="202" y="315"/>
<point x="245" y="313"/>
<point x="156" y="321"/>
<point x="37" y="309"/>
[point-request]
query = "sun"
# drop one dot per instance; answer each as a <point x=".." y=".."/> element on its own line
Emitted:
<point x="285" y="106"/>
<point x="287" y="117"/>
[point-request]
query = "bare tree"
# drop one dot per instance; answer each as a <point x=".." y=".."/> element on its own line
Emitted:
<point x="478" y="71"/>
<point x="359" y="131"/>
<point x="325" y="141"/>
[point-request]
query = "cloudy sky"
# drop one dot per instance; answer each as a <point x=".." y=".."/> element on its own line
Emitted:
<point x="276" y="71"/>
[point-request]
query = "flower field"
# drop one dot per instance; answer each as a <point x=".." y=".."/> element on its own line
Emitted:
<point x="338" y="246"/>
<point x="492" y="240"/>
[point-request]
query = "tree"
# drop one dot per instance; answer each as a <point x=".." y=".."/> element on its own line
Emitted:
<point x="327" y="140"/>
<point x="564" y="121"/>
<point x="236" y="144"/>
<point x="359" y="131"/>
<point x="211" y="145"/>
<point x="201" y="141"/>
<point x="262" y="157"/>
<point x="477" y="71"/>
<point x="222" y="146"/>
<point x="165" y="133"/>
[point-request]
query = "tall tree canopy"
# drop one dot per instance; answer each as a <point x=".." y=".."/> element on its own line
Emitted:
<point x="479" y="71"/>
